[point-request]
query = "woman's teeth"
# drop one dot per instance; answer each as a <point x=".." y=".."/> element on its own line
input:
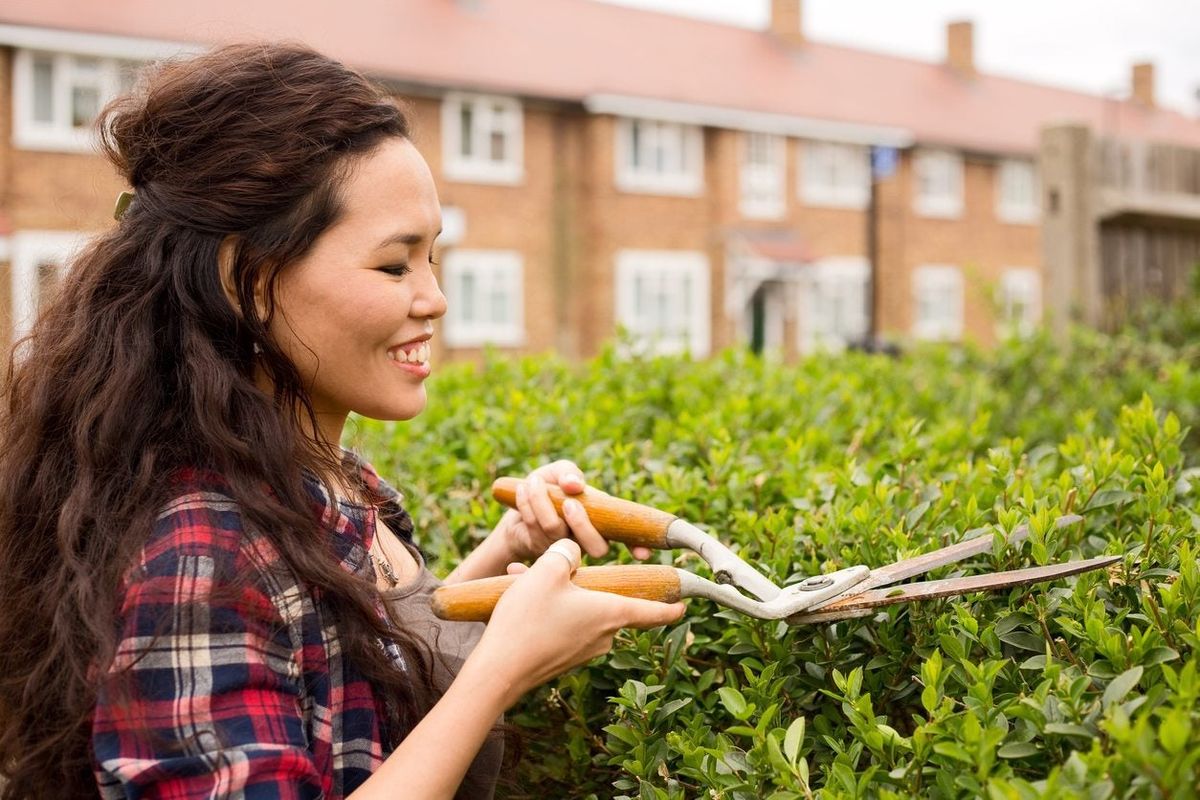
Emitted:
<point x="417" y="355"/>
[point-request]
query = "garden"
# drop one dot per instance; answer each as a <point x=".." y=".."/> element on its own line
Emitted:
<point x="1085" y="687"/>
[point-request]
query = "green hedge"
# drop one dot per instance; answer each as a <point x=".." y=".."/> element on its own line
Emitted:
<point x="1087" y="687"/>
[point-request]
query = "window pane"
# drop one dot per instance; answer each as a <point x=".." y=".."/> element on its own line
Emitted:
<point x="466" y="129"/>
<point x="126" y="75"/>
<point x="499" y="300"/>
<point x="496" y="149"/>
<point x="85" y="105"/>
<point x="43" y="88"/>
<point x="47" y="281"/>
<point x="466" y="297"/>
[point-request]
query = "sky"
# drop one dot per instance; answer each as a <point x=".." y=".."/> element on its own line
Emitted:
<point x="1088" y="45"/>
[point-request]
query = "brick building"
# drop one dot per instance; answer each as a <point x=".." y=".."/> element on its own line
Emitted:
<point x="599" y="166"/>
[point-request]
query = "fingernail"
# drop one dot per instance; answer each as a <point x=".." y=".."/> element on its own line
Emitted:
<point x="535" y="480"/>
<point x="574" y="479"/>
<point x="520" y="492"/>
<point x="572" y="506"/>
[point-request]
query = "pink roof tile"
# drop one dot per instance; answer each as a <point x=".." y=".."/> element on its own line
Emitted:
<point x="571" y="49"/>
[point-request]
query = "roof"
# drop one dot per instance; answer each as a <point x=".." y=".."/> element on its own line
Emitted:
<point x="576" y="49"/>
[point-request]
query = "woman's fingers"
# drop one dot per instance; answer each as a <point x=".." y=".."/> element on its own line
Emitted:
<point x="641" y="553"/>
<point x="582" y="528"/>
<point x="566" y="474"/>
<point x="649" y="613"/>
<point x="558" y="563"/>
<point x="544" y="512"/>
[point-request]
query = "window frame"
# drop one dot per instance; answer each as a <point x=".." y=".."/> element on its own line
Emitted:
<point x="949" y="204"/>
<point x="948" y="327"/>
<point x="60" y="134"/>
<point x="505" y="266"/>
<point x="841" y="274"/>
<point x="847" y="190"/>
<point x="665" y="265"/>
<point x="762" y="187"/>
<point x="29" y="250"/>
<point x="688" y="180"/>
<point x="1030" y="279"/>
<point x="478" y="168"/>
<point x="1008" y="210"/>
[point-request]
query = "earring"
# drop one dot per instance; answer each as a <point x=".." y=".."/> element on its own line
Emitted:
<point x="257" y="348"/>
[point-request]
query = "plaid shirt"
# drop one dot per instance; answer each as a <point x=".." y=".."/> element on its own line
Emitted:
<point x="236" y="686"/>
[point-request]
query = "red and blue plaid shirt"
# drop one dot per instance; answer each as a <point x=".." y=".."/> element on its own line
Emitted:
<point x="235" y="687"/>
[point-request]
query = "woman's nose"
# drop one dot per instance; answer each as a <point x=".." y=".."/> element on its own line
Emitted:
<point x="429" y="303"/>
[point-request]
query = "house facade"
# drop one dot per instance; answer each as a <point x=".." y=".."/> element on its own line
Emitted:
<point x="603" y="168"/>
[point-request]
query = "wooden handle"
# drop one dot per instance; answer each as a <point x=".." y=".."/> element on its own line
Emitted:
<point x="473" y="601"/>
<point x="617" y="520"/>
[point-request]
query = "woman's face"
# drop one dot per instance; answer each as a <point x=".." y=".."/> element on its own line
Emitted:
<point x="356" y="313"/>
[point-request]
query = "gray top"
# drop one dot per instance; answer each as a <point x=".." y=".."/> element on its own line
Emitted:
<point x="451" y="643"/>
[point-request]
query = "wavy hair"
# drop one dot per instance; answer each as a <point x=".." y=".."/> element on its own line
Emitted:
<point x="141" y="366"/>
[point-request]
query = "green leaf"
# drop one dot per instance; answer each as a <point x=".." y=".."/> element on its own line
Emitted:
<point x="1159" y="655"/>
<point x="1110" y="497"/>
<point x="1024" y="640"/>
<point x="626" y="735"/>
<point x="1068" y="729"/>
<point x="1018" y="750"/>
<point x="793" y="739"/>
<point x="733" y="701"/>
<point x="953" y="750"/>
<point x="914" y="515"/>
<point x="1120" y="686"/>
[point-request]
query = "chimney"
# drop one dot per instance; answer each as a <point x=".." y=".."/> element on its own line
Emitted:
<point x="787" y="21"/>
<point x="960" y="48"/>
<point x="1143" y="84"/>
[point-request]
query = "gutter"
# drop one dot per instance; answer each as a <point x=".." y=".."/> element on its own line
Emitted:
<point x="751" y="121"/>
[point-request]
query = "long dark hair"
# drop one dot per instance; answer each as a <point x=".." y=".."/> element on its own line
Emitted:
<point x="142" y="366"/>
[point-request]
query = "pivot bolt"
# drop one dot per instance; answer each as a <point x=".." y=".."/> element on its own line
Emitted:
<point x="814" y="583"/>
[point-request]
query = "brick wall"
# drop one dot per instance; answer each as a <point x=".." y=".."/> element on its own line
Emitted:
<point x="568" y="220"/>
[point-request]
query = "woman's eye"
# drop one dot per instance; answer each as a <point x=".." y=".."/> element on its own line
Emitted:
<point x="399" y="270"/>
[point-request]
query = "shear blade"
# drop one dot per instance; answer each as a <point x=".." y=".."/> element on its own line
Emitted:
<point x="862" y="603"/>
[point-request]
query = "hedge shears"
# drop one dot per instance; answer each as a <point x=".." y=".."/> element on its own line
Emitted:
<point x="852" y="592"/>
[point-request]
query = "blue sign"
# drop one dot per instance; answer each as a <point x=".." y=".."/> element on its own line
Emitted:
<point x="883" y="161"/>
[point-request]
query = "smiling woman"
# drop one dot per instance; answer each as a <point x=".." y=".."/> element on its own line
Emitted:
<point x="204" y="595"/>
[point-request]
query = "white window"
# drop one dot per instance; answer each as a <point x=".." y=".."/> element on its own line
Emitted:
<point x="39" y="259"/>
<point x="482" y="139"/>
<point x="762" y="176"/>
<point x="938" y="303"/>
<point x="834" y="174"/>
<point x="485" y="298"/>
<point x="57" y="96"/>
<point x="659" y="157"/>
<point x="1020" y="302"/>
<point x="663" y="300"/>
<point x="939" y="183"/>
<point x="835" y="303"/>
<point x="1016" y="191"/>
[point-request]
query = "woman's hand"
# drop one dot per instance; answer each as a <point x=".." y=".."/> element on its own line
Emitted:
<point x="535" y="524"/>
<point x="525" y="532"/>
<point x="544" y="625"/>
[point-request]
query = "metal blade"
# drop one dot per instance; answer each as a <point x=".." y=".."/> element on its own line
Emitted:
<point x="860" y="604"/>
<point x="976" y="545"/>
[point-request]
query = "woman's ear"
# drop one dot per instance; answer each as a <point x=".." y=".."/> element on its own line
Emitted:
<point x="226" y="255"/>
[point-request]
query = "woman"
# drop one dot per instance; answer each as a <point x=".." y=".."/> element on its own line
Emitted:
<point x="187" y="556"/>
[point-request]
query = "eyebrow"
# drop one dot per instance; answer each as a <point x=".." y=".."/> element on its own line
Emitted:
<point x="404" y="238"/>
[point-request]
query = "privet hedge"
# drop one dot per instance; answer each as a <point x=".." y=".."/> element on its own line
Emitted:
<point x="1087" y="687"/>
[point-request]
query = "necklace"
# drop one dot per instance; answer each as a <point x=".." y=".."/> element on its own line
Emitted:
<point x="381" y="563"/>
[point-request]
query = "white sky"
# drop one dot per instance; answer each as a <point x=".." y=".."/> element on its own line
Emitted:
<point x="1080" y="44"/>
